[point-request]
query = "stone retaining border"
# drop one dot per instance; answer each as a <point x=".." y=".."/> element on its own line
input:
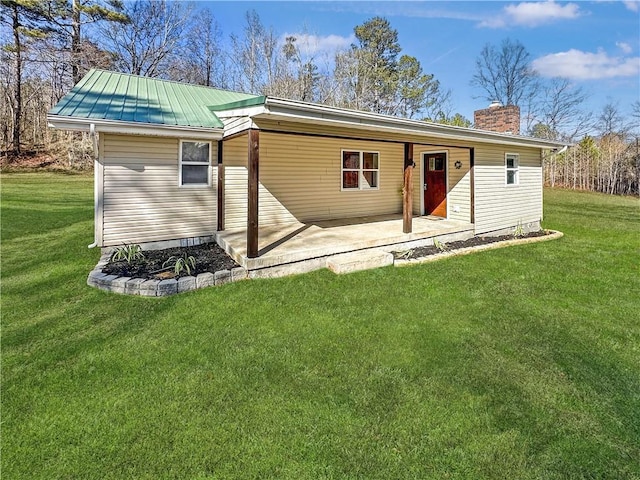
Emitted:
<point x="159" y="288"/>
<point x="162" y="288"/>
<point x="402" y="262"/>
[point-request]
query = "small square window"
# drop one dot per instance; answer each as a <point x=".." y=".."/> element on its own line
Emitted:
<point x="370" y="161"/>
<point x="370" y="178"/>
<point x="360" y="170"/>
<point x="351" y="160"/>
<point x="195" y="162"/>
<point x="350" y="179"/>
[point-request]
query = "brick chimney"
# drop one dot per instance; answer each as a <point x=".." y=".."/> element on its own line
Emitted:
<point x="498" y="118"/>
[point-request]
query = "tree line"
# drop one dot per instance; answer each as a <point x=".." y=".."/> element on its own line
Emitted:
<point x="605" y="156"/>
<point x="48" y="45"/>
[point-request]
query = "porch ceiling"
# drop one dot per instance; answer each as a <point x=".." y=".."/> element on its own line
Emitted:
<point x="297" y="242"/>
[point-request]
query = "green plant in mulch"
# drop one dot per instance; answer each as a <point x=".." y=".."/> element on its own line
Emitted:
<point x="406" y="254"/>
<point x="442" y="247"/>
<point x="518" y="231"/>
<point x="180" y="264"/>
<point x="128" y="253"/>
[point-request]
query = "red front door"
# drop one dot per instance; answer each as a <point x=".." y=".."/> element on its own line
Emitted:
<point x="435" y="184"/>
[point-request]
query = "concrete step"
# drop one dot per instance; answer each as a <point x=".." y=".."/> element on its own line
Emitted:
<point x="360" y="260"/>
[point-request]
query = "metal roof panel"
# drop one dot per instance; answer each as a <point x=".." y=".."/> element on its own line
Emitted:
<point x="130" y="98"/>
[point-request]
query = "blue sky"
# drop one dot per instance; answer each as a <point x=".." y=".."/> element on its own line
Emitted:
<point x="595" y="44"/>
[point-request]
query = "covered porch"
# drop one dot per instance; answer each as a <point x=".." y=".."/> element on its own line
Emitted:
<point x="301" y="247"/>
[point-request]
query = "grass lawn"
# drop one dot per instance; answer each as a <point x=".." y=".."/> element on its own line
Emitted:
<point x="515" y="363"/>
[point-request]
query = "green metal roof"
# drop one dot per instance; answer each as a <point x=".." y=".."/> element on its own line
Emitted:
<point x="130" y="98"/>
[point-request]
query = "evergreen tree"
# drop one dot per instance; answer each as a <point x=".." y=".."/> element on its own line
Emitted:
<point x="27" y="22"/>
<point x="370" y="76"/>
<point x="69" y="16"/>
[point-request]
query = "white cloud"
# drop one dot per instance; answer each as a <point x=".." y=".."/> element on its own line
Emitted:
<point x="633" y="5"/>
<point x="311" y="45"/>
<point x="532" y="14"/>
<point x="578" y="65"/>
<point x="625" y="47"/>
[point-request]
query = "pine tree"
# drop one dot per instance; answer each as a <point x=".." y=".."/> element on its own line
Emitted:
<point x="68" y="18"/>
<point x="26" y="19"/>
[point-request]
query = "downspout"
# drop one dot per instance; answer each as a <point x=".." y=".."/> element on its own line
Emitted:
<point x="94" y="139"/>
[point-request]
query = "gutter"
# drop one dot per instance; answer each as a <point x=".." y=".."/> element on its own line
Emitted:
<point x="133" y="128"/>
<point x="94" y="138"/>
<point x="562" y="150"/>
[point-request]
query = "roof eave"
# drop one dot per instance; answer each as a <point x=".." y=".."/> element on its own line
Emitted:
<point x="239" y="104"/>
<point x="133" y="128"/>
<point x="308" y="112"/>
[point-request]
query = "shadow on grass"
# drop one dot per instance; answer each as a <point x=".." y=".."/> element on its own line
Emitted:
<point x="20" y="222"/>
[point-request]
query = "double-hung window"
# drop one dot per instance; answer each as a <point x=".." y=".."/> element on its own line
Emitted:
<point x="360" y="170"/>
<point x="195" y="163"/>
<point x="511" y="164"/>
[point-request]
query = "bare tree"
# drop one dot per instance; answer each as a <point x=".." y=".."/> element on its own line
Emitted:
<point x="204" y="63"/>
<point x="151" y="40"/>
<point x="635" y="113"/>
<point x="610" y="120"/>
<point x="254" y="56"/>
<point x="504" y="73"/>
<point x="557" y="113"/>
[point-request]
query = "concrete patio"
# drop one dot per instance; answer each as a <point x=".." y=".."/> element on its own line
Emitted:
<point x="302" y="247"/>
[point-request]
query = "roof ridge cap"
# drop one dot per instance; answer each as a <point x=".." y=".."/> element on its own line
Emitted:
<point x="164" y="80"/>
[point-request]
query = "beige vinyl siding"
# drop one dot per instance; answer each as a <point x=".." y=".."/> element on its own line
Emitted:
<point x="302" y="175"/>
<point x="234" y="159"/>
<point x="142" y="201"/>
<point x="458" y="181"/>
<point x="300" y="180"/>
<point x="498" y="205"/>
<point x="459" y="189"/>
<point x="270" y="210"/>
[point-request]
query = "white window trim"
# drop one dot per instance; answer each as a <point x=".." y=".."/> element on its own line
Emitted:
<point x="180" y="163"/>
<point x="516" y="170"/>
<point x="361" y="181"/>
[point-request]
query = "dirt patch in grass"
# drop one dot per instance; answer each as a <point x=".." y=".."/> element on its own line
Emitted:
<point x="209" y="257"/>
<point x="31" y="161"/>
<point x="420" y="252"/>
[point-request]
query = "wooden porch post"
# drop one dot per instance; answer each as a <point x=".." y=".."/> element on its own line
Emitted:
<point x="407" y="189"/>
<point x="220" y="200"/>
<point x="472" y="181"/>
<point x="253" y="162"/>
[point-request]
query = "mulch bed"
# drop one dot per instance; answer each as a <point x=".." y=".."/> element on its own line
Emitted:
<point x="420" y="252"/>
<point x="209" y="257"/>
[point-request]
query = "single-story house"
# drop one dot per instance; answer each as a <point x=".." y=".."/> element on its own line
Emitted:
<point x="180" y="162"/>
